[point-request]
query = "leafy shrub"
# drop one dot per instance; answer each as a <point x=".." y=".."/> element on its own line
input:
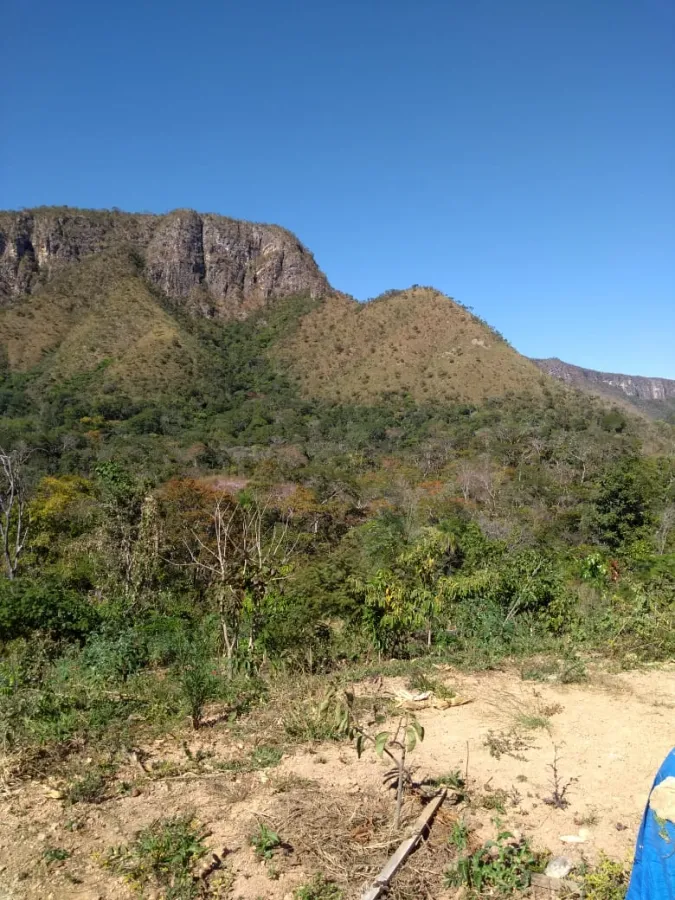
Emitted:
<point x="319" y="888"/>
<point x="265" y="841"/>
<point x="502" y="867"/>
<point x="28" y="605"/>
<point x="162" y="855"/>
<point x="608" y="881"/>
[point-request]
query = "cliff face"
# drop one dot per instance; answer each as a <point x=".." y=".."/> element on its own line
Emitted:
<point x="635" y="387"/>
<point x="221" y="266"/>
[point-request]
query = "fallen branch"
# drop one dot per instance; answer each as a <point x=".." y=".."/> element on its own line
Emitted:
<point x="405" y="849"/>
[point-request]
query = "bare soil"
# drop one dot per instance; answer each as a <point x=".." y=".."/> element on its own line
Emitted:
<point x="610" y="735"/>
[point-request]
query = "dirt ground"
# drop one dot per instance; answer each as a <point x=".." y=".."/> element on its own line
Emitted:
<point x="609" y="735"/>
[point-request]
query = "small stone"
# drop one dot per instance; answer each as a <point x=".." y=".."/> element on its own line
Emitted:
<point x="135" y="792"/>
<point x="559" y="867"/>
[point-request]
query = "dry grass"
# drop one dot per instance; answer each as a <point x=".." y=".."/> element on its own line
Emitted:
<point x="416" y="341"/>
<point x="349" y="839"/>
<point x="100" y="311"/>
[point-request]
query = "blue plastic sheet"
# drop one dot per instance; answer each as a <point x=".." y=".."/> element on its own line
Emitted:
<point x="653" y="876"/>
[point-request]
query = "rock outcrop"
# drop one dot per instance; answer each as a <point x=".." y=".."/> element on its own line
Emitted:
<point x="635" y="387"/>
<point x="220" y="266"/>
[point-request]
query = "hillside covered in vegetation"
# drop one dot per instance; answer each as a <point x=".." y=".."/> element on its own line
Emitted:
<point x="189" y="499"/>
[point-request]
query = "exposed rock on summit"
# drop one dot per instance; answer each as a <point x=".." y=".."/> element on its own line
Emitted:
<point x="222" y="266"/>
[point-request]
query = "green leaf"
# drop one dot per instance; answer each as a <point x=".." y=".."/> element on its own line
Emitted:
<point x="411" y="738"/>
<point x="419" y="729"/>
<point x="360" y="744"/>
<point x="381" y="742"/>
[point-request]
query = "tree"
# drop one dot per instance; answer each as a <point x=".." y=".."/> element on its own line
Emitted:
<point x="14" y="514"/>
<point x="244" y="553"/>
<point x="666" y="525"/>
<point x="622" y="506"/>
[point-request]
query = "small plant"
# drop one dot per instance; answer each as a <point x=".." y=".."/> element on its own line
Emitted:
<point x="56" y="854"/>
<point x="265" y="842"/>
<point x="92" y="787"/>
<point x="495" y="800"/>
<point x="589" y="818"/>
<point x="459" y="836"/>
<point x="196" y="680"/>
<point x="453" y="780"/>
<point x="420" y="683"/>
<point x="509" y="743"/>
<point x="559" y="787"/>
<point x="396" y="745"/>
<point x="265" y="757"/>
<point x="328" y="720"/>
<point x="163" y="855"/>
<point x="533" y="722"/>
<point x="319" y="888"/>
<point x="573" y="670"/>
<point x="499" y="867"/>
<point x="608" y="881"/>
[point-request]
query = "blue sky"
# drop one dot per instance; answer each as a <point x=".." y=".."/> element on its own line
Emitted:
<point x="517" y="154"/>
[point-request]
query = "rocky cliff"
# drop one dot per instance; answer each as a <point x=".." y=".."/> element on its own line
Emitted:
<point x="635" y="387"/>
<point x="223" y="267"/>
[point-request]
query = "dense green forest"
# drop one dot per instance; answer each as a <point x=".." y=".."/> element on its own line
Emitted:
<point x="158" y="554"/>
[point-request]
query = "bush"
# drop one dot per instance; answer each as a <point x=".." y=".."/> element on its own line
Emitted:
<point x="28" y="605"/>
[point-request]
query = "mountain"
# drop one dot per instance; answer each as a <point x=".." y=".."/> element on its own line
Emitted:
<point x="218" y="266"/>
<point x="415" y="342"/>
<point x="113" y="307"/>
<point x="117" y="298"/>
<point x="652" y="395"/>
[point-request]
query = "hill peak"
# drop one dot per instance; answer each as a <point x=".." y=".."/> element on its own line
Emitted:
<point x="417" y="342"/>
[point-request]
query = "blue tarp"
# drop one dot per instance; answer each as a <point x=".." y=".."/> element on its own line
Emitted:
<point x="653" y="876"/>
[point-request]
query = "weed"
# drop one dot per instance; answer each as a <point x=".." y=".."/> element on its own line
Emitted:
<point x="319" y="888"/>
<point x="265" y="757"/>
<point x="288" y="783"/>
<point x="92" y="787"/>
<point x="162" y="855"/>
<point x="546" y="671"/>
<point x="509" y="743"/>
<point x="570" y="670"/>
<point x="499" y="867"/>
<point x="327" y="720"/>
<point x="265" y="841"/>
<point x="459" y="836"/>
<point x="420" y="682"/>
<point x="56" y="854"/>
<point x="573" y="670"/>
<point x="589" y="818"/>
<point x="196" y="680"/>
<point x="453" y="780"/>
<point x="495" y="800"/>
<point x="533" y="722"/>
<point x="559" y="788"/>
<point x="608" y="881"/>
<point x="538" y="717"/>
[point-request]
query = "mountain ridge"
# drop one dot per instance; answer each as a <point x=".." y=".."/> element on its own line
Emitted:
<point x="222" y="267"/>
<point x="646" y="393"/>
<point x="86" y="291"/>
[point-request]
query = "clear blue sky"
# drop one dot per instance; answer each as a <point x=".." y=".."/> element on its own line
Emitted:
<point x="517" y="154"/>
